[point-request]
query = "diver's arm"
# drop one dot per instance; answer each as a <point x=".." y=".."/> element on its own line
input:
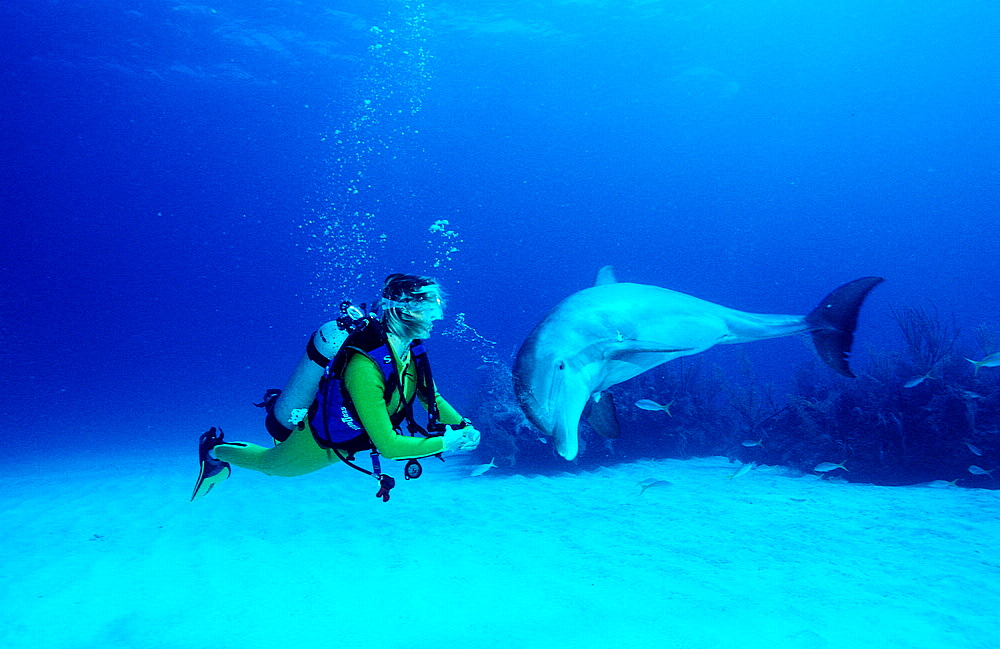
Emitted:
<point x="449" y="415"/>
<point x="366" y="387"/>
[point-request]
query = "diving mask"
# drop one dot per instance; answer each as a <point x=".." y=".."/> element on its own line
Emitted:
<point x="431" y="308"/>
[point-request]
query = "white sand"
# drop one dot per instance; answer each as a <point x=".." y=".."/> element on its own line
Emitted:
<point x="115" y="556"/>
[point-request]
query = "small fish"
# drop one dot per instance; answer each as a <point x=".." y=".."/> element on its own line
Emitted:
<point x="750" y="443"/>
<point x="649" y="404"/>
<point x="652" y="482"/>
<point x="974" y="449"/>
<point x="993" y="360"/>
<point x="824" y="467"/>
<point x="482" y="468"/>
<point x="941" y="484"/>
<point x="978" y="470"/>
<point x="744" y="469"/>
<point x="917" y="380"/>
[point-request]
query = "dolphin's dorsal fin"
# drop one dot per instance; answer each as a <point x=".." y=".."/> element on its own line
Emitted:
<point x="606" y="275"/>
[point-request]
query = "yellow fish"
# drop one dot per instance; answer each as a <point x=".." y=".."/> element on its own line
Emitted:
<point x="652" y="482"/>
<point x="482" y="468"/>
<point x="993" y="360"/>
<point x="649" y="404"/>
<point x="744" y="469"/>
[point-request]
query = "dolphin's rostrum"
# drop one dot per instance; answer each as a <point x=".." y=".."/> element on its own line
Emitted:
<point x="613" y="331"/>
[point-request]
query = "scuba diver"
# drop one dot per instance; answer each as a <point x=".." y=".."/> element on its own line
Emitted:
<point x="352" y="391"/>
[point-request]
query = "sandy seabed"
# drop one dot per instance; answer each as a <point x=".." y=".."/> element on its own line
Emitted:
<point x="107" y="552"/>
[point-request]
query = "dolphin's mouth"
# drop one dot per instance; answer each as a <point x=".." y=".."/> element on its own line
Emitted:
<point x="565" y="405"/>
<point x="566" y="445"/>
<point x="566" y="429"/>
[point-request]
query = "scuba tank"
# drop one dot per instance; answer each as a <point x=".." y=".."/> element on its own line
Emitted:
<point x="290" y="405"/>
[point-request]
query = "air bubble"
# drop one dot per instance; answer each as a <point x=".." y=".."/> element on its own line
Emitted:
<point x="347" y="228"/>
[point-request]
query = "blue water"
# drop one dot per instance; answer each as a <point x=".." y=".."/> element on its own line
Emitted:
<point x="189" y="190"/>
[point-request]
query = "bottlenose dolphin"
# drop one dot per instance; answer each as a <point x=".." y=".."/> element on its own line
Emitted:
<point x="613" y="331"/>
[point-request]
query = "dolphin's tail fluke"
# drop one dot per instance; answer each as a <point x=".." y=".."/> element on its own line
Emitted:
<point x="832" y="323"/>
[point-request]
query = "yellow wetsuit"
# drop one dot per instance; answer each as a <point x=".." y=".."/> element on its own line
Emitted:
<point x="301" y="454"/>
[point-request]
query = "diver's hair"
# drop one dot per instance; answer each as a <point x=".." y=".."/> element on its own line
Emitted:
<point x="407" y="288"/>
<point x="402" y="288"/>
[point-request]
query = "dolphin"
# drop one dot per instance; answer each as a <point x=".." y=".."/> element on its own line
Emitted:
<point x="613" y="331"/>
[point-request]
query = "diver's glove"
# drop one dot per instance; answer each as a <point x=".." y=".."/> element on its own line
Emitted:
<point x="460" y="438"/>
<point x="471" y="437"/>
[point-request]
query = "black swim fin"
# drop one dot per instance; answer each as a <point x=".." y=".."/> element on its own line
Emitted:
<point x="213" y="471"/>
<point x="834" y="320"/>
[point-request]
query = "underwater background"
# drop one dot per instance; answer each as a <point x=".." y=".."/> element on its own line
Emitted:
<point x="188" y="191"/>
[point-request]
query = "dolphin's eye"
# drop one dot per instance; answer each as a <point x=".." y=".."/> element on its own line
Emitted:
<point x="562" y="365"/>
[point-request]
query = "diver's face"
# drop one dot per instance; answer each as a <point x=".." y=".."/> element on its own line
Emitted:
<point x="425" y="317"/>
<point x="419" y="314"/>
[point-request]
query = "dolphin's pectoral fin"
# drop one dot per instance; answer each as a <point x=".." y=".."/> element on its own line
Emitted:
<point x="618" y="350"/>
<point x="602" y="416"/>
<point x="834" y="320"/>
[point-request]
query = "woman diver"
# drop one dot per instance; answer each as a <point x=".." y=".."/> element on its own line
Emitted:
<point x="352" y="391"/>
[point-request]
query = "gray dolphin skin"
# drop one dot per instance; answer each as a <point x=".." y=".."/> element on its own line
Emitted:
<point x="613" y="331"/>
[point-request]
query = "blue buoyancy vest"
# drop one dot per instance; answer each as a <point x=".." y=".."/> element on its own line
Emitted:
<point x="333" y="417"/>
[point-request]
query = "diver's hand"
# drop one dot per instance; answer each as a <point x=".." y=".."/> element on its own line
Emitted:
<point x="458" y="440"/>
